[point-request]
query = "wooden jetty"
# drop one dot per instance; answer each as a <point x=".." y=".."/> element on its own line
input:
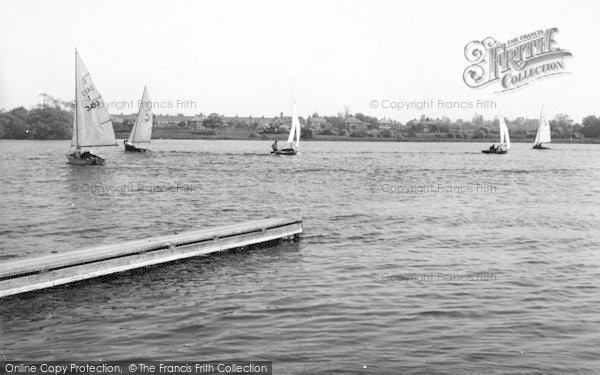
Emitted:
<point x="28" y="274"/>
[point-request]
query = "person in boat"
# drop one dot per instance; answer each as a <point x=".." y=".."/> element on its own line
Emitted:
<point x="274" y="146"/>
<point x="86" y="155"/>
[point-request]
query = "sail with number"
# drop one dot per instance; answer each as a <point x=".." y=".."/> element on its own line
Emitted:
<point x="142" y="129"/>
<point x="295" y="128"/>
<point x="543" y="132"/>
<point x="92" y="126"/>
<point x="504" y="137"/>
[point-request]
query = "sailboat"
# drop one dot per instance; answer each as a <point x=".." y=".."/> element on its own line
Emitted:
<point x="142" y="129"/>
<point x="543" y="133"/>
<point x="92" y="126"/>
<point x="294" y="132"/>
<point x="504" y="139"/>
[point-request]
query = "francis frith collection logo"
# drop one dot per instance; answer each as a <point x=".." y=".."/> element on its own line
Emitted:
<point x="515" y="63"/>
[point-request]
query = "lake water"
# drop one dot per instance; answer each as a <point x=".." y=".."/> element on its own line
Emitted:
<point x="415" y="257"/>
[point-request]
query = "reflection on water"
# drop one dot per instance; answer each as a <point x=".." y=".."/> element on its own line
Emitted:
<point x="383" y="280"/>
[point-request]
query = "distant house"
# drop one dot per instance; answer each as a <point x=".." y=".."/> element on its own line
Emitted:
<point x="316" y="122"/>
<point x="388" y="124"/>
<point x="428" y="125"/>
<point x="171" y="121"/>
<point x="196" y="122"/>
<point x="285" y="122"/>
<point x="122" y="118"/>
<point x="122" y="122"/>
<point x="249" y="121"/>
<point x="351" y="123"/>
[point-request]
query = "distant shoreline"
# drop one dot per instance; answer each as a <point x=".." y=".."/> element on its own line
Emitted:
<point x="55" y="122"/>
<point x="338" y="138"/>
<point x="332" y="138"/>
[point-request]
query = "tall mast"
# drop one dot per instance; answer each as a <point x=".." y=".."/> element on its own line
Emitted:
<point x="76" y="105"/>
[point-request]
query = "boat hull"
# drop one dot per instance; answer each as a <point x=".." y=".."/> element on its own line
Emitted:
<point x="494" y="152"/>
<point x="540" y="147"/>
<point x="131" y="148"/>
<point x="285" y="151"/>
<point x="92" y="160"/>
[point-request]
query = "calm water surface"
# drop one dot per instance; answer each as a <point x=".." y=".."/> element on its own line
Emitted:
<point x="416" y="257"/>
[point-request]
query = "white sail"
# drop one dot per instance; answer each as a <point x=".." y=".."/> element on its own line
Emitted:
<point x="296" y="123"/>
<point x="92" y="126"/>
<point x="292" y="132"/>
<point x="295" y="128"/>
<point x="504" y="137"/>
<point x="142" y="129"/>
<point x="543" y="132"/>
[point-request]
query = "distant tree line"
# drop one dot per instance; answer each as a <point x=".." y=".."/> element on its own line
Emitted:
<point x="51" y="119"/>
<point x="213" y="121"/>
<point x="591" y="127"/>
<point x="41" y="122"/>
<point x="562" y="127"/>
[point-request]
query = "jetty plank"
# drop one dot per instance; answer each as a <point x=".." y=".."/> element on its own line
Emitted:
<point x="24" y="275"/>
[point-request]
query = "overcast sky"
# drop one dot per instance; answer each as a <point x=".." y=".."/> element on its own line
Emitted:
<point x="240" y="57"/>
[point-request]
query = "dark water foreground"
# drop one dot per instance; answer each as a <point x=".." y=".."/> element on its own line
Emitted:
<point x="416" y="257"/>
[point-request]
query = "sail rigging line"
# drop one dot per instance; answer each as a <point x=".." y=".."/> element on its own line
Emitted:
<point x="76" y="106"/>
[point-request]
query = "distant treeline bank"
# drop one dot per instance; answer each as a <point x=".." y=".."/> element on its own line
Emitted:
<point x="55" y="121"/>
<point x="41" y="122"/>
<point x="248" y="135"/>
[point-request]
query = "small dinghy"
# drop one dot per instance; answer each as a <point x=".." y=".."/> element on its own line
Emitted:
<point x="129" y="147"/>
<point x="495" y="150"/>
<point x="504" y="139"/>
<point x="543" y="133"/>
<point x="92" y="126"/>
<point x="540" y="147"/>
<point x="141" y="133"/>
<point x="84" y="158"/>
<point x="285" y="151"/>
<point x="294" y="132"/>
